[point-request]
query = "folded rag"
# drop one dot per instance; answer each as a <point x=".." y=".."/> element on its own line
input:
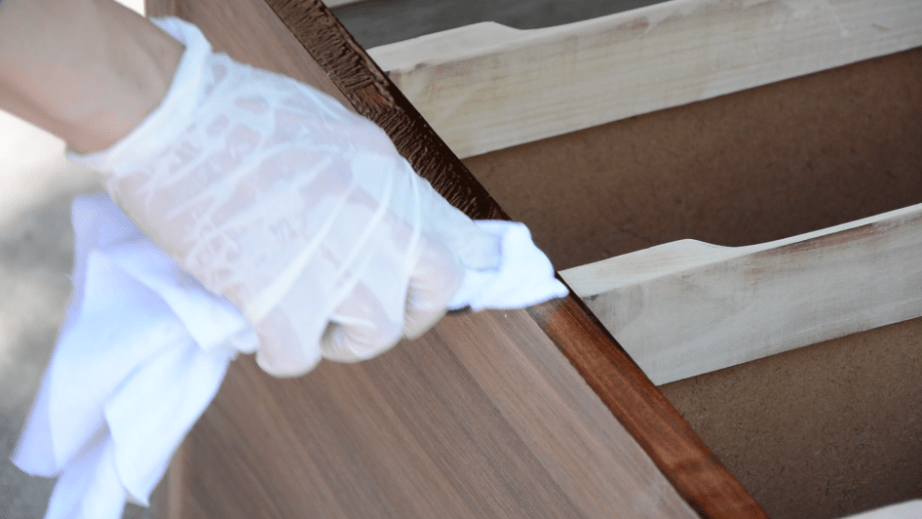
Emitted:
<point x="144" y="348"/>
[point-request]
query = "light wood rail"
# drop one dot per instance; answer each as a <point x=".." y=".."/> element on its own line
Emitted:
<point x="687" y="308"/>
<point x="485" y="86"/>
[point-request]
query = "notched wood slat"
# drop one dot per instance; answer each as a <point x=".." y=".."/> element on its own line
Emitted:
<point x="517" y="86"/>
<point x="687" y="308"/>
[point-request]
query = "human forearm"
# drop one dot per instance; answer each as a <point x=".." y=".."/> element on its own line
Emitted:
<point x="88" y="71"/>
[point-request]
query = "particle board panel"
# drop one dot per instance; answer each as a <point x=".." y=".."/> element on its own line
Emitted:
<point x="818" y="432"/>
<point x="485" y="413"/>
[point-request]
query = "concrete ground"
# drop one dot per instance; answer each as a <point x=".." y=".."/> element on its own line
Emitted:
<point x="36" y="252"/>
<point x="37" y="185"/>
<point x="36" y="240"/>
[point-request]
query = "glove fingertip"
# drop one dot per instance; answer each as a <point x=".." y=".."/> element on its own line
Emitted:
<point x="435" y="279"/>
<point x="282" y="353"/>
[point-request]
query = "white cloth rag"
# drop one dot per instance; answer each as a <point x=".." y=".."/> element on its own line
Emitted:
<point x="144" y="348"/>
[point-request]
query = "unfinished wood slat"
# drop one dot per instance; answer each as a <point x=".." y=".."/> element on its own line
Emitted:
<point x="687" y="307"/>
<point x="907" y="510"/>
<point x="485" y="87"/>
<point x="481" y="417"/>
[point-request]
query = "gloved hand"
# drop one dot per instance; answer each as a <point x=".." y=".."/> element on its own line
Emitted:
<point x="297" y="210"/>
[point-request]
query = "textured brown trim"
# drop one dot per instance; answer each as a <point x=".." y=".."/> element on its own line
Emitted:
<point x="373" y="95"/>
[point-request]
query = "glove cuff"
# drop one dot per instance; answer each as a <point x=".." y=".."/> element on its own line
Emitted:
<point x="173" y="113"/>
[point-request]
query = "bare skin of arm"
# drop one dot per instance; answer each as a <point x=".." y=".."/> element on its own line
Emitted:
<point x="88" y="71"/>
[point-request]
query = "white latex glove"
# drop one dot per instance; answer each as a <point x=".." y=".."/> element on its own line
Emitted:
<point x="297" y="210"/>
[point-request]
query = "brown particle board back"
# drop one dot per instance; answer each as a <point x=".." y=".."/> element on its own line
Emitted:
<point x="482" y="417"/>
<point x="819" y="432"/>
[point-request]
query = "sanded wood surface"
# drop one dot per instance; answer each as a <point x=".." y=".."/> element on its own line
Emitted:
<point x="429" y="430"/>
<point x="482" y="417"/>
<point x="688" y="307"/>
<point x="486" y="86"/>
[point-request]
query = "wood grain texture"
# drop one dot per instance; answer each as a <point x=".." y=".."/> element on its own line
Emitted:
<point x="427" y="430"/>
<point x="486" y="87"/>
<point x="482" y="417"/>
<point x="687" y="307"/>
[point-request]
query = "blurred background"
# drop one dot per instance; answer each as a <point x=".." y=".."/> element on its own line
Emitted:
<point x="37" y="185"/>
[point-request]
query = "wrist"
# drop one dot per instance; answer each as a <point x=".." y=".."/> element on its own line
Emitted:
<point x="88" y="71"/>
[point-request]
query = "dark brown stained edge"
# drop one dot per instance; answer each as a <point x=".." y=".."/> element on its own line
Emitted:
<point x="373" y="95"/>
<point x="643" y="410"/>
<point x="646" y="414"/>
